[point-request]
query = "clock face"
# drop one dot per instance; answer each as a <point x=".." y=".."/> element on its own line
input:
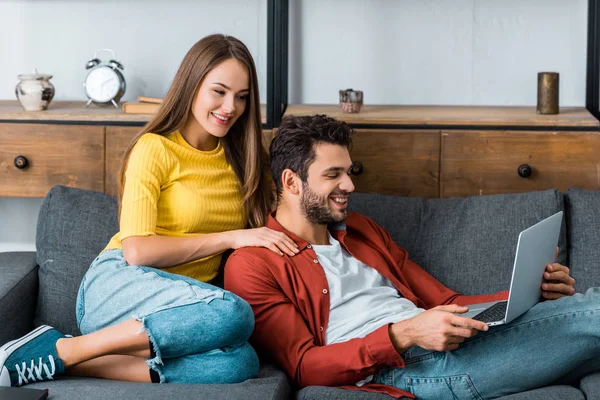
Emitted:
<point x="102" y="84"/>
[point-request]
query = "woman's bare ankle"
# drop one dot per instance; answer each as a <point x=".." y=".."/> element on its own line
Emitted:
<point x="64" y="350"/>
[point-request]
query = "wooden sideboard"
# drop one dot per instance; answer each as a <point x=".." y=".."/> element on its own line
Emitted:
<point x="451" y="151"/>
<point x="65" y="145"/>
<point x="425" y="151"/>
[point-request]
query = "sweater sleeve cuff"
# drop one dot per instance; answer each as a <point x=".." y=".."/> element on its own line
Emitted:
<point x="379" y="345"/>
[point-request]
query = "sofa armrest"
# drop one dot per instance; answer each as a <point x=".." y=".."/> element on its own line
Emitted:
<point x="18" y="293"/>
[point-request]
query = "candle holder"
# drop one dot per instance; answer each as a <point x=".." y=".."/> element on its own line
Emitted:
<point x="547" y="96"/>
<point x="351" y="101"/>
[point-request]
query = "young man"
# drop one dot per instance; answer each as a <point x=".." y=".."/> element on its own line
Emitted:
<point x="350" y="309"/>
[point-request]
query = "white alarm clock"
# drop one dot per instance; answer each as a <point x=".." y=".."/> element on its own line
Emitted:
<point x="104" y="84"/>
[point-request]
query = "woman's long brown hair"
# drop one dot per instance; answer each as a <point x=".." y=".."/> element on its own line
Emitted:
<point x="243" y="143"/>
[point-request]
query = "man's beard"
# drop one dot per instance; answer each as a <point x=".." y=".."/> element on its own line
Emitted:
<point x="315" y="207"/>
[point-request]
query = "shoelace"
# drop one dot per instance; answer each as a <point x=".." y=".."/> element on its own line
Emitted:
<point x="34" y="373"/>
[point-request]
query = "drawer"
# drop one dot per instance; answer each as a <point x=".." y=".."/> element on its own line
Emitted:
<point x="118" y="139"/>
<point x="70" y="155"/>
<point x="487" y="162"/>
<point x="397" y="162"/>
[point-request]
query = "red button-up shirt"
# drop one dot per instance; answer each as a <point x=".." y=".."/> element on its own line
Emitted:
<point x="290" y="299"/>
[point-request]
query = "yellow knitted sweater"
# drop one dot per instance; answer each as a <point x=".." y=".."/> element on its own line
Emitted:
<point x="174" y="189"/>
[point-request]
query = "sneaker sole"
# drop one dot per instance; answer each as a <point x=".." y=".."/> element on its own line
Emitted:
<point x="10" y="347"/>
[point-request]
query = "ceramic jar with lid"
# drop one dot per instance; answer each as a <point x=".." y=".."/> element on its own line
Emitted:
<point x="34" y="91"/>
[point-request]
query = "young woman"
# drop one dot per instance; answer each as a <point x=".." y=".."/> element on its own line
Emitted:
<point x="190" y="183"/>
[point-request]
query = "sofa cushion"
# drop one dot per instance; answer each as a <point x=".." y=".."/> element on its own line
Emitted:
<point x="590" y="385"/>
<point x="469" y="244"/>
<point x="583" y="230"/>
<point x="18" y="290"/>
<point x="74" y="226"/>
<point x="269" y="384"/>
<point x="558" y="392"/>
<point x="401" y="216"/>
<point x="330" y="393"/>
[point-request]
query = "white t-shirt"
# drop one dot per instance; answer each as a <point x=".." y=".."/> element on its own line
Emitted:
<point x="361" y="299"/>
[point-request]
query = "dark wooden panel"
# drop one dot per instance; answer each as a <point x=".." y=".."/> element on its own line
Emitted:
<point x="486" y="162"/>
<point x="267" y="136"/>
<point x="67" y="155"/>
<point x="397" y="162"/>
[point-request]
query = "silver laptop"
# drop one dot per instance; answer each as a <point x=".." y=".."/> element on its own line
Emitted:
<point x="536" y="248"/>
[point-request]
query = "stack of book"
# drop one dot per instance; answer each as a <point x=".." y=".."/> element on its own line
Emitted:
<point x="144" y="105"/>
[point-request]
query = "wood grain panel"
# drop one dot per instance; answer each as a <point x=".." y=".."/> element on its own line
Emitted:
<point x="267" y="137"/>
<point x="486" y="162"/>
<point x="451" y="115"/>
<point x="76" y="111"/>
<point x="67" y="155"/>
<point x="118" y="139"/>
<point x="397" y="162"/>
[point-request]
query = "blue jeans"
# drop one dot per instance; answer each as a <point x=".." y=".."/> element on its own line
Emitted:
<point x="556" y="340"/>
<point x="199" y="332"/>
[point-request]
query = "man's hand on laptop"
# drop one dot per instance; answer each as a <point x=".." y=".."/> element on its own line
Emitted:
<point x="437" y="329"/>
<point x="557" y="282"/>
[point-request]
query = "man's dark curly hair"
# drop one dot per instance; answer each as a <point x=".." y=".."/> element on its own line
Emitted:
<point x="294" y="144"/>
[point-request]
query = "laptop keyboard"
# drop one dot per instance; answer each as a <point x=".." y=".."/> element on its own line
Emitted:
<point x="497" y="312"/>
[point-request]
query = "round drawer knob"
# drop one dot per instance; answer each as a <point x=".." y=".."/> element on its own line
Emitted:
<point x="356" y="168"/>
<point x="524" y="171"/>
<point x="21" y="162"/>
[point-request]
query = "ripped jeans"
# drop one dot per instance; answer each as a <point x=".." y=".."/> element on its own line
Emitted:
<point x="198" y="332"/>
<point x="555" y="342"/>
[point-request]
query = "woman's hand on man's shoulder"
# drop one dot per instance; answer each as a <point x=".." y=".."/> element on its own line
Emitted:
<point x="277" y="242"/>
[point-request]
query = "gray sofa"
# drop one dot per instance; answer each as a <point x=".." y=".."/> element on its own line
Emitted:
<point x="467" y="243"/>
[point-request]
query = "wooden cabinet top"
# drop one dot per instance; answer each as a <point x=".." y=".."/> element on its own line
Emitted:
<point x="75" y="111"/>
<point x="453" y="115"/>
<point x="577" y="117"/>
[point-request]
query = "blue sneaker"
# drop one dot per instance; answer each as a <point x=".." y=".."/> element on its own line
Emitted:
<point x="31" y="358"/>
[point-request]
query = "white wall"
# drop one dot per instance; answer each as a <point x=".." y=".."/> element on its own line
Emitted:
<point x="459" y="52"/>
<point x="397" y="51"/>
<point x="478" y="52"/>
<point x="18" y="218"/>
<point x="149" y="37"/>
